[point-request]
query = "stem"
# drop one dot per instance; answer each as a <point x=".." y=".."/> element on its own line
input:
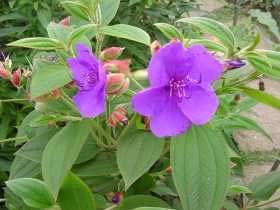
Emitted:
<point x="67" y="100"/>
<point x="111" y="207"/>
<point x="104" y="133"/>
<point x="13" y="139"/>
<point x="14" y="100"/>
<point x="266" y="203"/>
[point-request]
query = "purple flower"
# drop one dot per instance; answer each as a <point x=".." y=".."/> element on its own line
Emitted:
<point x="180" y="94"/>
<point x="90" y="79"/>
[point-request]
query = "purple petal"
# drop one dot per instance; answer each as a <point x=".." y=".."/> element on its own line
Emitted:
<point x="170" y="121"/>
<point x="91" y="103"/>
<point x="149" y="101"/>
<point x="205" y="66"/>
<point x="83" y="51"/>
<point x="201" y="106"/>
<point x="78" y="70"/>
<point x="169" y="62"/>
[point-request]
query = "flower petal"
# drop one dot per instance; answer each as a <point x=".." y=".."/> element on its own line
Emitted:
<point x="148" y="101"/>
<point x="171" y="61"/>
<point x="205" y="66"/>
<point x="200" y="106"/>
<point x="170" y="121"/>
<point x="91" y="103"/>
<point x="82" y="50"/>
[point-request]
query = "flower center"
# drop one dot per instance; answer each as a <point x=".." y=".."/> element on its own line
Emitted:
<point x="179" y="88"/>
<point x="88" y="80"/>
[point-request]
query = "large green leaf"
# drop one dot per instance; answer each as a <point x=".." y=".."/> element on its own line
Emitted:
<point x="151" y="208"/>
<point x="200" y="168"/>
<point x="169" y="31"/>
<point x="136" y="201"/>
<point x="39" y="43"/>
<point x="211" y="45"/>
<point x="75" y="195"/>
<point x="33" y="149"/>
<point x="34" y="192"/>
<point x="61" y="153"/>
<point x="215" y="28"/>
<point x="263" y="187"/>
<point x="103" y="165"/>
<point x="136" y="153"/>
<point x="76" y="9"/>
<point x="108" y="10"/>
<point x="127" y="32"/>
<point x="22" y="167"/>
<point x="262" y="97"/>
<point x="48" y="79"/>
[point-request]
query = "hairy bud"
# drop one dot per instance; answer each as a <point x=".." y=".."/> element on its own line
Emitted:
<point x="155" y="46"/>
<point x="111" y="53"/>
<point x="116" y="84"/>
<point x="118" y="116"/>
<point x="16" y="78"/>
<point x="120" y="66"/>
<point x="4" y="73"/>
<point x="65" y="21"/>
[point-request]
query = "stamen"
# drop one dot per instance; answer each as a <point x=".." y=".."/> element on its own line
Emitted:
<point x="88" y="80"/>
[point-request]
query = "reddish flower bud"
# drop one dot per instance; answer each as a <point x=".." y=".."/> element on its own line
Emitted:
<point x="116" y="84"/>
<point x="4" y="74"/>
<point x="155" y="46"/>
<point x="168" y="170"/>
<point x="16" y="77"/>
<point x="120" y="66"/>
<point x="111" y="53"/>
<point x="118" y="197"/>
<point x="56" y="94"/>
<point x="65" y="21"/>
<point x="118" y="116"/>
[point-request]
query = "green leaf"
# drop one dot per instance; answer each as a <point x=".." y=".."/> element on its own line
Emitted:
<point x="239" y="121"/>
<point x="151" y="208"/>
<point x="75" y="195"/>
<point x="34" y="192"/>
<point x="49" y="78"/>
<point x="136" y="153"/>
<point x="261" y="64"/>
<point x="262" y="97"/>
<point x="273" y="58"/>
<point x="200" y="168"/>
<point x="211" y="45"/>
<point x="238" y="189"/>
<point x="33" y="149"/>
<point x="103" y="165"/>
<point x="127" y="32"/>
<point x="108" y="10"/>
<point x="58" y="31"/>
<point x="136" y="201"/>
<point x="263" y="187"/>
<point x="215" y="28"/>
<point x="38" y="43"/>
<point x="61" y="153"/>
<point x="169" y="31"/>
<point x="22" y="167"/>
<point x="76" y="9"/>
<point x="228" y="205"/>
<point x="80" y="32"/>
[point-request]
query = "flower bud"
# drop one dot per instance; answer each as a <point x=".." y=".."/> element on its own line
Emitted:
<point x="120" y="66"/>
<point x="111" y="53"/>
<point x="117" y="197"/>
<point x="168" y="170"/>
<point x="118" y="116"/>
<point x="65" y="21"/>
<point x="155" y="46"/>
<point x="16" y="77"/>
<point x="234" y="64"/>
<point x="56" y="94"/>
<point x="116" y="83"/>
<point x="4" y="74"/>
